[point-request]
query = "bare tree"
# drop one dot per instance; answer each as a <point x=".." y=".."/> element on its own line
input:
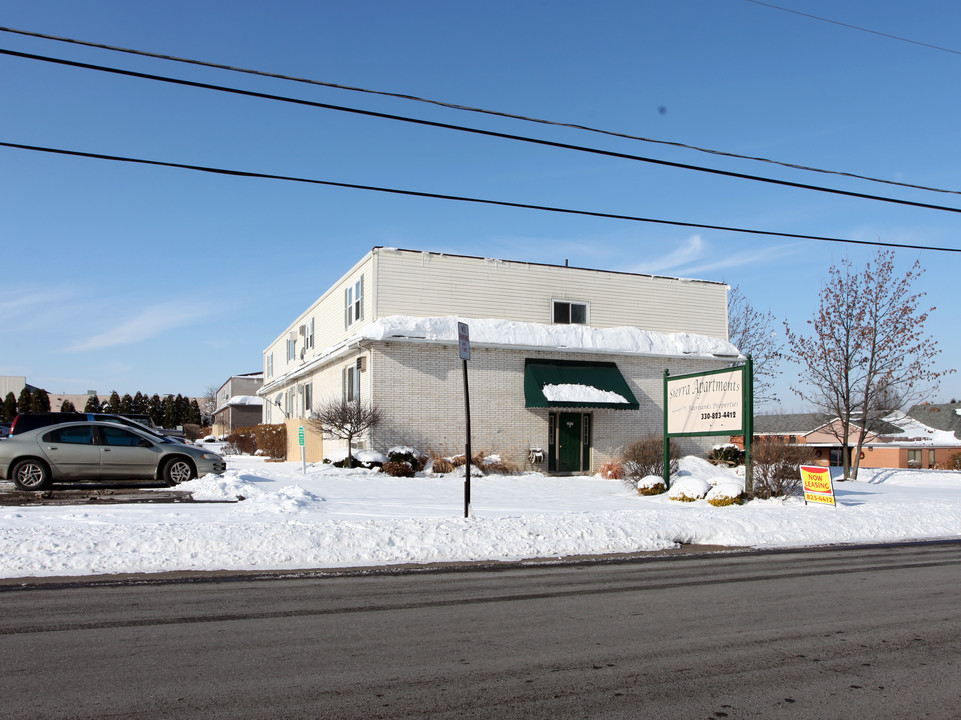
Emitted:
<point x="865" y="343"/>
<point x="751" y="332"/>
<point x="344" y="420"/>
<point x="208" y="403"/>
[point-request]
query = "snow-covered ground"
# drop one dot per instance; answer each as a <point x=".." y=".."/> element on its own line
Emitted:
<point x="334" y="518"/>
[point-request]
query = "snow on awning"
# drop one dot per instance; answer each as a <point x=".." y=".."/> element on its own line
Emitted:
<point x="571" y="383"/>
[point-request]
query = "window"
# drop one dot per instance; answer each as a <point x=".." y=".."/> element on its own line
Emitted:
<point x="77" y="435"/>
<point x="354" y="303"/>
<point x="118" y="437"/>
<point x="270" y="364"/>
<point x="309" y="335"/>
<point x="931" y="458"/>
<point x="352" y="383"/>
<point x="308" y="399"/>
<point x="914" y="458"/>
<point x="569" y="313"/>
<point x="291" y="350"/>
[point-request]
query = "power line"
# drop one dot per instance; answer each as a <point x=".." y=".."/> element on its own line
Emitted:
<point x="469" y="108"/>
<point x="856" y="27"/>
<point x="462" y="198"/>
<point x="479" y="131"/>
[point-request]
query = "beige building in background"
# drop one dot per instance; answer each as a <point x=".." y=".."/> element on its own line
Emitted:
<point x="385" y="333"/>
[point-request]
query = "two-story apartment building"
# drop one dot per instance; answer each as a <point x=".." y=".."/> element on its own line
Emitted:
<point x="565" y="361"/>
<point x="238" y="404"/>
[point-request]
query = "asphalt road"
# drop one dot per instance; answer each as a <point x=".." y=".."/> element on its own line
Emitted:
<point x="837" y="633"/>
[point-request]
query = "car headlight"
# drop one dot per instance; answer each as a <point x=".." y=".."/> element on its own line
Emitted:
<point x="211" y="456"/>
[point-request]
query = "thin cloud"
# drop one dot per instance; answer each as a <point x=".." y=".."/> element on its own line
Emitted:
<point x="687" y="253"/>
<point x="748" y="257"/>
<point x="150" y="323"/>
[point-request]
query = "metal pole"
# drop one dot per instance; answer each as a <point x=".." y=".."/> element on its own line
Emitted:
<point x="749" y="427"/>
<point x="467" y="473"/>
<point x="667" y="440"/>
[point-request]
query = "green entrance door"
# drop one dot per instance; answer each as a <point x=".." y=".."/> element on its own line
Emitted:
<point x="570" y="449"/>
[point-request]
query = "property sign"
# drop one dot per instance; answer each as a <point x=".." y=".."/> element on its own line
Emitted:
<point x="300" y="436"/>
<point x="818" y="486"/>
<point x="709" y="403"/>
<point x="463" y="340"/>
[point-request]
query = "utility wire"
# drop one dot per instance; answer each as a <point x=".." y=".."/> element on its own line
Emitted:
<point x="462" y="198"/>
<point x="478" y="131"/>
<point x="468" y="108"/>
<point x="855" y="27"/>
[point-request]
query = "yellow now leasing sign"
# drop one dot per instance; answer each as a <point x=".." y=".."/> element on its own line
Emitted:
<point x="818" y="486"/>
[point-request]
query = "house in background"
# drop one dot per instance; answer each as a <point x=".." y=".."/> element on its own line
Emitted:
<point x="926" y="436"/>
<point x="238" y="404"/>
<point x="567" y="364"/>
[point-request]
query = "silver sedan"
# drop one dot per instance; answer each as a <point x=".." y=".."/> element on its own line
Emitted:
<point x="100" y="451"/>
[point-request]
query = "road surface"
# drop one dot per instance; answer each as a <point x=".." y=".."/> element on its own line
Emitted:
<point x="831" y="633"/>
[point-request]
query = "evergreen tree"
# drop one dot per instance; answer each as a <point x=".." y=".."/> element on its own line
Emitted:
<point x="181" y="409"/>
<point x="40" y="401"/>
<point x="194" y="416"/>
<point x="139" y="404"/>
<point x="155" y="410"/>
<point x="113" y="404"/>
<point x="169" y="412"/>
<point x="9" y="411"/>
<point x="67" y="406"/>
<point x="23" y="402"/>
<point x="93" y="404"/>
<point x="126" y="404"/>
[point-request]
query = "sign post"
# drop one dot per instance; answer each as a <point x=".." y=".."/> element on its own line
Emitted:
<point x="303" y="450"/>
<point x="463" y="341"/>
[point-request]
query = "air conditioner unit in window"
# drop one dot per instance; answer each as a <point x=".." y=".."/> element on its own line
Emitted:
<point x="361" y="364"/>
<point x="292" y="335"/>
<point x="302" y="330"/>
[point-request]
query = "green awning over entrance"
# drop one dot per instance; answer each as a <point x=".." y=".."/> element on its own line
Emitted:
<point x="575" y="384"/>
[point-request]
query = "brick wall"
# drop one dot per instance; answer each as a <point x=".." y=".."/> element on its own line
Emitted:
<point x="420" y="390"/>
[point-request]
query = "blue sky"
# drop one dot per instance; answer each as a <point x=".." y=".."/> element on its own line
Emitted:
<point x="162" y="280"/>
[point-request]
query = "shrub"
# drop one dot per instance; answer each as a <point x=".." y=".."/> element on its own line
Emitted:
<point x="724" y="501"/>
<point x="777" y="468"/>
<point x="272" y="440"/>
<point x="398" y="469"/>
<point x="955" y="462"/>
<point x="493" y="464"/>
<point x="612" y="470"/>
<point x="241" y="441"/>
<point x="651" y="485"/>
<point x="646" y="457"/>
<point x="415" y="461"/>
<point x="440" y="464"/>
<point x="730" y="455"/>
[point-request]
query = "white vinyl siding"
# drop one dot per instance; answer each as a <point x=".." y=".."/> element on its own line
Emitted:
<point x="427" y="285"/>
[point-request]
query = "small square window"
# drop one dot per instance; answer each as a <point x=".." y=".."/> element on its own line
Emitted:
<point x="569" y="313"/>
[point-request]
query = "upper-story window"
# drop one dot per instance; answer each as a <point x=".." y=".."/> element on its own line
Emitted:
<point x="291" y="349"/>
<point x="270" y="364"/>
<point x="354" y="302"/>
<point x="309" y="335"/>
<point x="566" y="312"/>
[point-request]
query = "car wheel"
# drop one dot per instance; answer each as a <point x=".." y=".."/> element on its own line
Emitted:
<point x="177" y="471"/>
<point x="30" y="475"/>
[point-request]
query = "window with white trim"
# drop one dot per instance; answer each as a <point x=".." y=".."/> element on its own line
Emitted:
<point x="270" y="364"/>
<point x="567" y="312"/>
<point x="354" y="302"/>
<point x="308" y="399"/>
<point x="309" y="335"/>
<point x="352" y="383"/>
<point x="291" y="350"/>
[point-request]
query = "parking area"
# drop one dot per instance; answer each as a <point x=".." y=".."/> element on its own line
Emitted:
<point x="90" y="493"/>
